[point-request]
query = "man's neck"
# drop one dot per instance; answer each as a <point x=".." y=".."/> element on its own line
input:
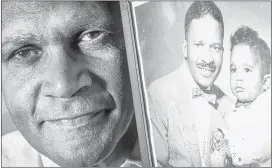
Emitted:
<point x="123" y="148"/>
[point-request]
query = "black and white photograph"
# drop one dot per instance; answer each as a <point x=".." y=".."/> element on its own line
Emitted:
<point x="135" y="84"/>
<point x="206" y="68"/>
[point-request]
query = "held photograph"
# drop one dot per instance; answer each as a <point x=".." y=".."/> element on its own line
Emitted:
<point x="206" y="70"/>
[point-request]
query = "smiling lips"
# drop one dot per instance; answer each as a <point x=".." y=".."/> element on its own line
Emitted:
<point x="79" y="120"/>
<point x="205" y="70"/>
<point x="86" y="107"/>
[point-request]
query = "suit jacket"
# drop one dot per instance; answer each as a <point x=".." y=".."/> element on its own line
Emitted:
<point x="174" y="117"/>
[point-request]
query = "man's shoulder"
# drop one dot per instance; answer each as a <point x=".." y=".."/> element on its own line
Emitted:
<point x="168" y="84"/>
<point x="17" y="152"/>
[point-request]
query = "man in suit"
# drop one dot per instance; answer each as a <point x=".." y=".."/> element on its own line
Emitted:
<point x="66" y="85"/>
<point x="186" y="105"/>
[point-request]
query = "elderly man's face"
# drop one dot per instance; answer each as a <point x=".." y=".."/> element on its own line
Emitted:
<point x="204" y="50"/>
<point x="65" y="78"/>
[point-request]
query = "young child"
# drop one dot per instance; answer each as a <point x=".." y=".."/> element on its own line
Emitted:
<point x="247" y="142"/>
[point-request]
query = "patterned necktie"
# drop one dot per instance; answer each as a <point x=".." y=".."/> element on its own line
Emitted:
<point x="211" y="97"/>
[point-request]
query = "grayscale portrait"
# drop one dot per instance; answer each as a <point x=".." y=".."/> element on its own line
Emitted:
<point x="66" y="86"/>
<point x="206" y="71"/>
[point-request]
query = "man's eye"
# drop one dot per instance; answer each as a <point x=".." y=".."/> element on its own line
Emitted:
<point x="93" y="36"/>
<point x="199" y="44"/>
<point x="216" y="49"/>
<point x="233" y="70"/>
<point x="27" y="53"/>
<point x="247" y="70"/>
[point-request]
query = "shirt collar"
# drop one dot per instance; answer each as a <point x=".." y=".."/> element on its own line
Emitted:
<point x="239" y="105"/>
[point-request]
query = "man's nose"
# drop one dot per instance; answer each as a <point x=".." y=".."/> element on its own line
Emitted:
<point x="207" y="55"/>
<point x="65" y="75"/>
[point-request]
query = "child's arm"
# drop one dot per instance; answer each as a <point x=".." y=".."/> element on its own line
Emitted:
<point x="250" y="148"/>
<point x="261" y="157"/>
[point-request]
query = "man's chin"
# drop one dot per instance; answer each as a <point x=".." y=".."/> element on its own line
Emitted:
<point x="205" y="84"/>
<point x="79" y="148"/>
<point x="79" y="156"/>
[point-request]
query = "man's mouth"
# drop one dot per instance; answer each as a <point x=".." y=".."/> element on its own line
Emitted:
<point x="206" y="71"/>
<point x="89" y="107"/>
<point x="80" y="120"/>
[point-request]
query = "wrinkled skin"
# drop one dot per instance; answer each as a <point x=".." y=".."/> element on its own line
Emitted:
<point x="65" y="81"/>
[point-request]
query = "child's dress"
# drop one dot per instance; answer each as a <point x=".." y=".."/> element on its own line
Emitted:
<point x="249" y="133"/>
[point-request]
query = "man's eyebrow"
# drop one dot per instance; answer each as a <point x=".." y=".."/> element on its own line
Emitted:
<point x="217" y="44"/>
<point x="232" y="65"/>
<point x="19" y="39"/>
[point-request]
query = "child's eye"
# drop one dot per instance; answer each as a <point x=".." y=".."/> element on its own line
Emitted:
<point x="247" y="70"/>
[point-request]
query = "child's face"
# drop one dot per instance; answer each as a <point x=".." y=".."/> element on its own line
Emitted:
<point x="245" y="73"/>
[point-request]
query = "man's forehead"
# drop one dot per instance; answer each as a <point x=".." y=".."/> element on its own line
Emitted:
<point x="42" y="17"/>
<point x="205" y="27"/>
<point x="17" y="9"/>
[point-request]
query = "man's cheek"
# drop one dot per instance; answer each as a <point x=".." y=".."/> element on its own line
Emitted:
<point x="218" y="61"/>
<point x="114" y="66"/>
<point x="191" y="55"/>
<point x="21" y="101"/>
<point x="16" y="82"/>
<point x="20" y="115"/>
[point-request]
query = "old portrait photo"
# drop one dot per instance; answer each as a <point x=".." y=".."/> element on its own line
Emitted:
<point x="206" y="70"/>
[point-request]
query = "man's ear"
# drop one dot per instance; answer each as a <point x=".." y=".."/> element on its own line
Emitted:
<point x="266" y="82"/>
<point x="184" y="48"/>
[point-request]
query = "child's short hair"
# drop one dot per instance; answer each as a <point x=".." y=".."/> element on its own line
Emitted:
<point x="247" y="36"/>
